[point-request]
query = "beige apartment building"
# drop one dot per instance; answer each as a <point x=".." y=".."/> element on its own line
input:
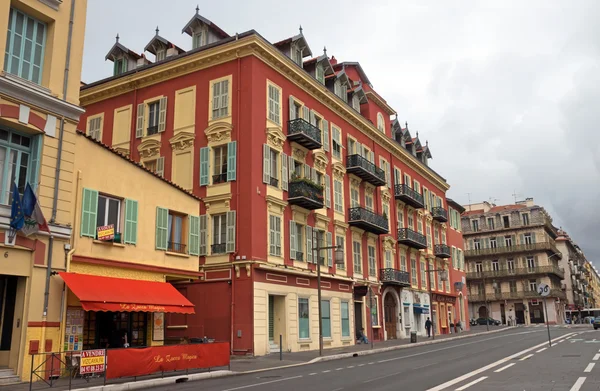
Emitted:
<point x="509" y="251"/>
<point x="577" y="277"/>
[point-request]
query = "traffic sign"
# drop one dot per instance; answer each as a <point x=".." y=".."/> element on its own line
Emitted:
<point x="543" y="290"/>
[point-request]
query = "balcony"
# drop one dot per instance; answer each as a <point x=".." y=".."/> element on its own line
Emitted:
<point x="218" y="248"/>
<point x="394" y="276"/>
<point x="520" y="272"/>
<point x="412" y="238"/>
<point x="442" y="251"/>
<point x="518" y="295"/>
<point x="305" y="134"/>
<point x="305" y="194"/>
<point x="439" y="214"/>
<point x="541" y="246"/>
<point x="176" y="247"/>
<point x="369" y="221"/>
<point x="408" y="196"/>
<point x="364" y="169"/>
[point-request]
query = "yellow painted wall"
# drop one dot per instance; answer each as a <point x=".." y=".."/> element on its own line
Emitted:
<point x="290" y="330"/>
<point x="56" y="37"/>
<point x="122" y="127"/>
<point x="183" y="167"/>
<point x="185" y="109"/>
<point x="108" y="173"/>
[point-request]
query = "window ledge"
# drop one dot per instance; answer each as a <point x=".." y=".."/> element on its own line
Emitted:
<point x="345" y="339"/>
<point x="52" y="3"/>
<point x="304" y="340"/>
<point x="109" y="243"/>
<point x="177" y="254"/>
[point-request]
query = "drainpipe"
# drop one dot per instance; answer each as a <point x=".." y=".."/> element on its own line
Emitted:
<point x="58" y="161"/>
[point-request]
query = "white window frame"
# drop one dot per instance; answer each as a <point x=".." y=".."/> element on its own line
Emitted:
<point x="106" y="210"/>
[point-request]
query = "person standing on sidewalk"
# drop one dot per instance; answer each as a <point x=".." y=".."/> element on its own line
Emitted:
<point x="428" y="327"/>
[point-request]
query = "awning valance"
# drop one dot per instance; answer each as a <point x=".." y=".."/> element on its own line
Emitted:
<point x="99" y="293"/>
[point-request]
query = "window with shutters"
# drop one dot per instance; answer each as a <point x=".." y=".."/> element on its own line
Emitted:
<point x="527" y="238"/>
<point x="357" y="256"/>
<point x="417" y="186"/>
<point x="274" y="103"/>
<point x="356" y="102"/>
<point x="275" y="235"/>
<point x="428" y="236"/>
<point x="197" y="40"/>
<point x="354" y="197"/>
<point x="274" y="161"/>
<point x="338" y="196"/>
<point x="219" y="174"/>
<point x="300" y="242"/>
<point x="371" y="258"/>
<point x="508" y="242"/>
<point x="443" y="236"/>
<point x="530" y="262"/>
<point x="388" y="259"/>
<point x="351" y="147"/>
<point x="161" y="54"/>
<point x="510" y="264"/>
<point x="369" y="201"/>
<point x="512" y="286"/>
<point x="155" y="165"/>
<point x="177" y="232"/>
<point x="220" y="91"/>
<point x="119" y="66"/>
<point x="495" y="265"/>
<point x="320" y="73"/>
<point x="419" y="223"/>
<point x="506" y="221"/>
<point x="400" y="216"/>
<point x="525" y="218"/>
<point x="479" y="267"/>
<point x="109" y="213"/>
<point x="436" y="234"/>
<point x="337" y="88"/>
<point x="380" y="122"/>
<point x="219" y="234"/>
<point x="297" y="54"/>
<point x="25" y="44"/>
<point x="19" y="162"/>
<point x="477" y="244"/>
<point x="490" y="223"/>
<point x="475" y="225"/>
<point x="434" y="284"/>
<point x="336" y="142"/>
<point x="493" y="243"/>
<point x="532" y="285"/>
<point x="413" y="271"/>
<point x="340" y="242"/>
<point x="153" y="113"/>
<point x="403" y="262"/>
<point x="407" y="181"/>
<point x="94" y="127"/>
<point x="411" y="220"/>
<point x="423" y="275"/>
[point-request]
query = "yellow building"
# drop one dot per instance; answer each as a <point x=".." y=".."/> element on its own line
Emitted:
<point x="39" y="111"/>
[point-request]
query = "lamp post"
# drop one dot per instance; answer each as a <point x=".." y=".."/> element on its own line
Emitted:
<point x="443" y="278"/>
<point x="339" y="260"/>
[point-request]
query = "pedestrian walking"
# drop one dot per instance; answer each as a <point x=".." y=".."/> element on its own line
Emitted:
<point x="428" y="327"/>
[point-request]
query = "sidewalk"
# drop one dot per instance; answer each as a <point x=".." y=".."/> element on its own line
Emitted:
<point x="241" y="365"/>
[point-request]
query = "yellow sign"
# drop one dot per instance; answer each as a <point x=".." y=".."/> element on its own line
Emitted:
<point x="92" y="361"/>
<point x="106" y="232"/>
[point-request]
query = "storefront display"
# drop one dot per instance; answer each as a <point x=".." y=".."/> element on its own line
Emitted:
<point x="74" y="330"/>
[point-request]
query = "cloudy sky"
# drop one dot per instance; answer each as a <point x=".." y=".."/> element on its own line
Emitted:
<point x="508" y="95"/>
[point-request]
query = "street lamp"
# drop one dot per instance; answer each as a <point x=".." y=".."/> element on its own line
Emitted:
<point x="339" y="260"/>
<point x="443" y="278"/>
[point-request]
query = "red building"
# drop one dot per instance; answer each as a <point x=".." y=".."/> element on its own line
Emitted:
<point x="286" y="149"/>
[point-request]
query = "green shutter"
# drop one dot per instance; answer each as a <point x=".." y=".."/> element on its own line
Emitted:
<point x="329" y="250"/>
<point x="231" y="160"/>
<point x="204" y="153"/>
<point x="309" y="246"/>
<point x="131" y="221"/>
<point x="36" y="153"/>
<point x="230" y="233"/>
<point x="162" y="225"/>
<point x="203" y="235"/>
<point x="293" y="239"/>
<point x="89" y="208"/>
<point x="115" y="67"/>
<point x="327" y="191"/>
<point x="124" y="65"/>
<point x="194" y="236"/>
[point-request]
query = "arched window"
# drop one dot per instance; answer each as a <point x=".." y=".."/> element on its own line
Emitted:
<point x="380" y="122"/>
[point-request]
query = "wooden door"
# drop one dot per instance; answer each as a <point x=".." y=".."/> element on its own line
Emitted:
<point x="391" y="314"/>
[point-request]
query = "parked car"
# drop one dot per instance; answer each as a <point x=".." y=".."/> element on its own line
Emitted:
<point x="493" y="322"/>
<point x="596" y="322"/>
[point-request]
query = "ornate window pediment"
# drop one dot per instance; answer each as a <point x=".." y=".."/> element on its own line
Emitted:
<point x="218" y="132"/>
<point x="389" y="243"/>
<point x="338" y="170"/>
<point x="149" y="148"/>
<point x="299" y="154"/>
<point x="385" y="195"/>
<point x="122" y="151"/>
<point x="275" y="138"/>
<point x="321" y="160"/>
<point x="182" y="141"/>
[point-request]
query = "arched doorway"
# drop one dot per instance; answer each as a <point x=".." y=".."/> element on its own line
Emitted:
<point x="390" y="313"/>
<point x="483" y="312"/>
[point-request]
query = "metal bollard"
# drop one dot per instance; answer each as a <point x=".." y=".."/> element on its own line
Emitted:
<point x="280" y="347"/>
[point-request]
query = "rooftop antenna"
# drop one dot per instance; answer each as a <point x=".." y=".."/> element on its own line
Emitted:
<point x="469" y="195"/>
<point x="515" y="195"/>
<point x="492" y="200"/>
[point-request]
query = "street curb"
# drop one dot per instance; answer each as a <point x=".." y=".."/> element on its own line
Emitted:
<point x="392" y="348"/>
<point x="143" y="384"/>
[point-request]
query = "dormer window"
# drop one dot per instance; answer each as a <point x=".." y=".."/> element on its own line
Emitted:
<point x="297" y="54"/>
<point x="380" y="122"/>
<point x="320" y="73"/>
<point x="337" y="88"/>
<point x="197" y="39"/>
<point x="160" y="54"/>
<point x="120" y="66"/>
<point x="356" y="102"/>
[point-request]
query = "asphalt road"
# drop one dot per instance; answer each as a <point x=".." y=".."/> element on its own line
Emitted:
<point x="445" y="366"/>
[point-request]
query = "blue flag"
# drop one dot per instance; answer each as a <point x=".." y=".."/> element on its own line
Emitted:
<point x="17" y="217"/>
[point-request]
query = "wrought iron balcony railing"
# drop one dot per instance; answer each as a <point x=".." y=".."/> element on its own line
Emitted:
<point x="306" y="194"/>
<point x="367" y="171"/>
<point x="218" y="248"/>
<point x="176" y="247"/>
<point x="439" y="214"/>
<point x="526" y="271"/>
<point x="540" y="246"/>
<point x="394" y="276"/>
<point x="526" y="294"/>
<point x="412" y="238"/>
<point x="304" y="133"/>
<point x="368" y="220"/>
<point x="408" y="196"/>
<point x="442" y="251"/>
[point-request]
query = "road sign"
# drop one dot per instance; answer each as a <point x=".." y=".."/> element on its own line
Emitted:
<point x="543" y="290"/>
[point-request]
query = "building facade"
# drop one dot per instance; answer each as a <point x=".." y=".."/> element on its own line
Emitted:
<point x="577" y="282"/>
<point x="287" y="154"/>
<point x="510" y="250"/>
<point x="39" y="112"/>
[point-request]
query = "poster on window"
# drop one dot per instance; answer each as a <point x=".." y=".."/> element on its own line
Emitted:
<point x="74" y="330"/>
<point x="106" y="232"/>
<point x="158" y="326"/>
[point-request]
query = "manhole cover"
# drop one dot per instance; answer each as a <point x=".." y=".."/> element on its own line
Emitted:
<point x="571" y="355"/>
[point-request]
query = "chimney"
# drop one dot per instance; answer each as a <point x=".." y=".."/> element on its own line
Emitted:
<point x="333" y="60"/>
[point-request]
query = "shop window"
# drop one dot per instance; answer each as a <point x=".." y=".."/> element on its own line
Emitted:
<point x="345" y="319"/>
<point x="326" y="318"/>
<point x="375" y="311"/>
<point x="303" y="319"/>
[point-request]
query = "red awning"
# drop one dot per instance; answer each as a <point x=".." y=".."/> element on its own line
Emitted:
<point x="98" y="293"/>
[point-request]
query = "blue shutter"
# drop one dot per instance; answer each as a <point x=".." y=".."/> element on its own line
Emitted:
<point x="131" y="221"/>
<point x="36" y="153"/>
<point x="293" y="239"/>
<point x="204" y="154"/>
<point x="89" y="209"/>
<point x="309" y="251"/>
<point x="194" y="236"/>
<point x="231" y="160"/>
<point x="162" y="226"/>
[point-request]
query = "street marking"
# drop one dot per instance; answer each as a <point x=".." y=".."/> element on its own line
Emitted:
<point x="589" y="367"/>
<point x="470" y="384"/>
<point x="504" y="367"/>
<point x="569" y="337"/>
<point x="350" y="367"/>
<point x="526" y="357"/>
<point x="371" y="363"/>
<point x="578" y="384"/>
<point x="327" y="371"/>
<point x="312" y="374"/>
<point x="383" y="377"/>
<point x="361" y="365"/>
<point x="339" y="369"/>
<point x="337" y="389"/>
<point x="596" y="357"/>
<point x="263" y="383"/>
<point x="562" y="340"/>
<point x="541" y="350"/>
<point x="487" y="367"/>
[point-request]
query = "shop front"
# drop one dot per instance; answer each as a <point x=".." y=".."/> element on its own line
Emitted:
<point x="443" y="313"/>
<point x="108" y="312"/>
